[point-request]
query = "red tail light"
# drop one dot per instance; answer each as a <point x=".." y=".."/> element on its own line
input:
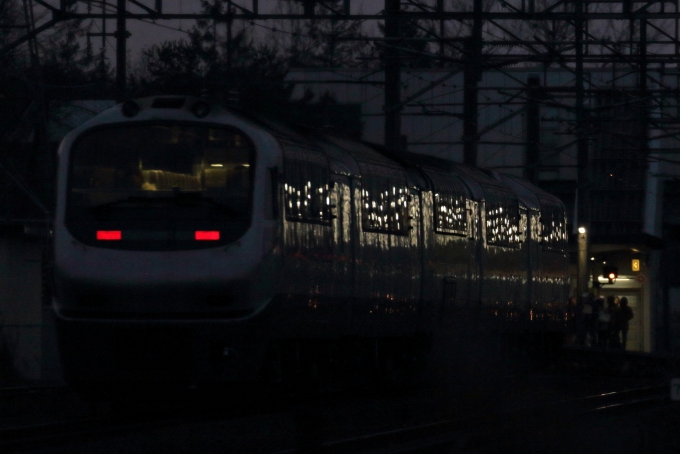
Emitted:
<point x="109" y="235"/>
<point x="207" y="235"/>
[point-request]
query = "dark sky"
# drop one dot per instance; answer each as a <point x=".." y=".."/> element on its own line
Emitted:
<point x="146" y="33"/>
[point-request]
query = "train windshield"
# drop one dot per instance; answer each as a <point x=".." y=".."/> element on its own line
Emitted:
<point x="169" y="178"/>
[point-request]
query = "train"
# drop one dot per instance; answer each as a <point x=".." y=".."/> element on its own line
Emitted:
<point x="193" y="243"/>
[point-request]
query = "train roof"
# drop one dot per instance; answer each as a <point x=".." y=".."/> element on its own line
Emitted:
<point x="355" y="158"/>
<point x="345" y="156"/>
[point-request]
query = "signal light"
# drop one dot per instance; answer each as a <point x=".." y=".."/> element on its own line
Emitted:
<point x="207" y="235"/>
<point x="109" y="235"/>
<point x="611" y="273"/>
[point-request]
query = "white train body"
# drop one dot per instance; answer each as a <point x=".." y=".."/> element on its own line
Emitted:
<point x="189" y="239"/>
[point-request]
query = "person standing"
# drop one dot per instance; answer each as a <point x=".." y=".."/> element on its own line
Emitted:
<point x="622" y="318"/>
<point x="603" y="321"/>
<point x="586" y="323"/>
<point x="612" y="307"/>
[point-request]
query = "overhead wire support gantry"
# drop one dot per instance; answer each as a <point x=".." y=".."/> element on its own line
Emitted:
<point x="493" y="36"/>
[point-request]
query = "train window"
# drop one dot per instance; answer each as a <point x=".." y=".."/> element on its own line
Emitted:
<point x="307" y="188"/>
<point x="159" y="157"/>
<point x="553" y="226"/>
<point x="384" y="198"/>
<point x="536" y="228"/>
<point x="385" y="206"/>
<point x="450" y="204"/>
<point x="502" y="218"/>
<point x="143" y="173"/>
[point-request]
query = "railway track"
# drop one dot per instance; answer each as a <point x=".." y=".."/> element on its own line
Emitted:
<point x="98" y="421"/>
<point x="21" y="391"/>
<point x="488" y="432"/>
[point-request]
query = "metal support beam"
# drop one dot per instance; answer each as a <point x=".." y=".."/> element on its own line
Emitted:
<point x="472" y="74"/>
<point x="533" y="129"/>
<point x="583" y="157"/>
<point x="121" y="51"/>
<point x="392" y="105"/>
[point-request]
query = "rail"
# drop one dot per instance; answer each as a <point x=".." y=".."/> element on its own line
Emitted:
<point x="460" y="434"/>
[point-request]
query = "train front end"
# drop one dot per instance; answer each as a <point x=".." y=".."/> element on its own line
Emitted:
<point x="165" y="244"/>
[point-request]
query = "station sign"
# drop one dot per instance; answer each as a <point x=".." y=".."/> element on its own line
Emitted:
<point x="635" y="265"/>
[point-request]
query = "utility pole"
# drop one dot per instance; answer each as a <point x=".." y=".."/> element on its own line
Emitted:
<point x="229" y="37"/>
<point x="644" y="102"/>
<point x="29" y="18"/>
<point x="103" y="34"/>
<point x="533" y="128"/>
<point x="583" y="157"/>
<point x="121" y="51"/>
<point x="392" y="107"/>
<point x="471" y="76"/>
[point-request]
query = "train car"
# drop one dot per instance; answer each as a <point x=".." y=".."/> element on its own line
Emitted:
<point x="195" y="244"/>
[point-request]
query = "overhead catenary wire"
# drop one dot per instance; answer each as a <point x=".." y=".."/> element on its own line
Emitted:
<point x="536" y="24"/>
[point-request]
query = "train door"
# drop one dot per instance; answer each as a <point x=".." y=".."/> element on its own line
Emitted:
<point x="387" y="290"/>
<point x="475" y="246"/>
<point x="343" y="246"/>
<point x="310" y="241"/>
<point x="415" y="253"/>
<point x="452" y="258"/>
